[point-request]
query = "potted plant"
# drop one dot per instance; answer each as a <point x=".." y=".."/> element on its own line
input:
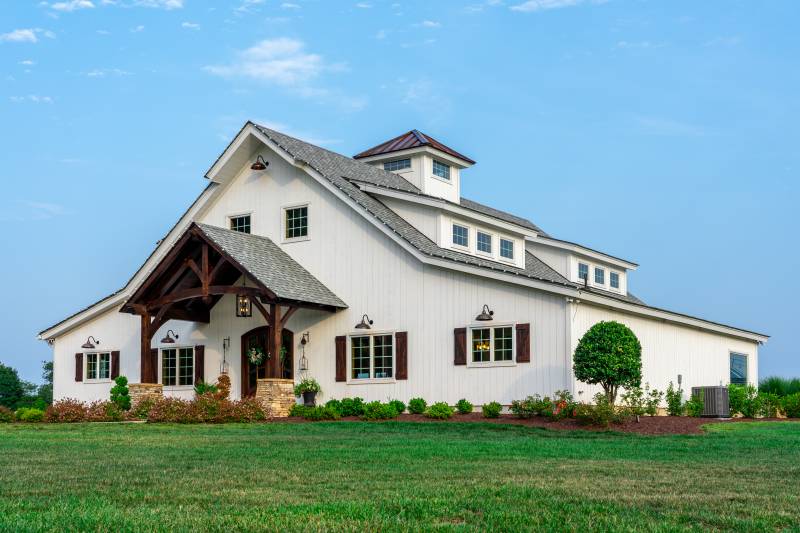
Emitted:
<point x="308" y="389"/>
<point x="255" y="355"/>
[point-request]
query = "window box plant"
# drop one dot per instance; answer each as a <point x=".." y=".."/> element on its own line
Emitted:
<point x="308" y="389"/>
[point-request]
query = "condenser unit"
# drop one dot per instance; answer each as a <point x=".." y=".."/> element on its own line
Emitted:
<point x="715" y="400"/>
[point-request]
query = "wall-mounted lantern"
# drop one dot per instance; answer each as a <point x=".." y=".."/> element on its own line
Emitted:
<point x="260" y="164"/>
<point x="89" y="345"/>
<point x="365" y="323"/>
<point x="486" y="314"/>
<point x="168" y="338"/>
<point x="226" y="344"/>
<point x="303" y="361"/>
<point x="244" y="307"/>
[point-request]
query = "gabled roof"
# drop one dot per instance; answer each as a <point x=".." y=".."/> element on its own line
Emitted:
<point x="408" y="140"/>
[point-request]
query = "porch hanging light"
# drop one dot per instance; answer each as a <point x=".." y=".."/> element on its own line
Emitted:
<point x="486" y="314"/>
<point x="168" y="338"/>
<point x="260" y="164"/>
<point x="88" y="345"/>
<point x="244" y="307"/>
<point x="303" y="361"/>
<point x="365" y="323"/>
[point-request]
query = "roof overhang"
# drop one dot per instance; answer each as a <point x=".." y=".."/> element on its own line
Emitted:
<point x="584" y="251"/>
<point x="407" y="152"/>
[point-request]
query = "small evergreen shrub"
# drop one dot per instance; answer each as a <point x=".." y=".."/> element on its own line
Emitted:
<point x="439" y="410"/>
<point x="202" y="388"/>
<point x="694" y="407"/>
<point x="6" y="415"/>
<point x="334" y="404"/>
<point x="603" y="413"/>
<point x="791" y="405"/>
<point x="315" y="413"/>
<point x="768" y="404"/>
<point x="352" y="406"/>
<point x="652" y="401"/>
<point x="674" y="399"/>
<point x="744" y="400"/>
<point x="464" y="407"/>
<point x="29" y="414"/>
<point x="398" y="406"/>
<point x="530" y="406"/>
<point x="417" y="406"/>
<point x="119" y="393"/>
<point x="379" y="411"/>
<point x="491" y="410"/>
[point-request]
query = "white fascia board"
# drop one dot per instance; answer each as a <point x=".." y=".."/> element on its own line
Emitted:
<point x="462" y="212"/>
<point x="670" y="316"/>
<point x="582" y="250"/>
<point x="400" y="154"/>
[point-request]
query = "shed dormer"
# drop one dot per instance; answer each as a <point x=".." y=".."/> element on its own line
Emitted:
<point x="426" y="163"/>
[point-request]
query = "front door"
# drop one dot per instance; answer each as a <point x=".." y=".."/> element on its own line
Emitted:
<point x="251" y="373"/>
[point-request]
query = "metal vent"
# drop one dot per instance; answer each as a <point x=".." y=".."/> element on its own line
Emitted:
<point x="715" y="401"/>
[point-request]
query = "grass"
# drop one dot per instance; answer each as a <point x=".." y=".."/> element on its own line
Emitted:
<point x="395" y="476"/>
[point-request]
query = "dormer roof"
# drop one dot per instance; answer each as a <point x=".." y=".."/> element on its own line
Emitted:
<point x="408" y="140"/>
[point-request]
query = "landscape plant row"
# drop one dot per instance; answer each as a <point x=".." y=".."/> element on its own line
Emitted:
<point x="356" y="407"/>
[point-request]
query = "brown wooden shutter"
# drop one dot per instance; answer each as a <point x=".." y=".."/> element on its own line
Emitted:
<point x="78" y="367"/>
<point x="523" y="343"/>
<point x="341" y="358"/>
<point x="199" y="364"/>
<point x="114" y="365"/>
<point x="153" y="377"/>
<point x="401" y="362"/>
<point x="460" y="346"/>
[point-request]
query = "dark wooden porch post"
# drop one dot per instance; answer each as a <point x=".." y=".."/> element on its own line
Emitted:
<point x="145" y="362"/>
<point x="276" y="334"/>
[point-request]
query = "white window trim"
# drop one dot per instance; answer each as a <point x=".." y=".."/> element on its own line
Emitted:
<point x="468" y="247"/>
<point x="492" y="240"/>
<point x="307" y="236"/>
<point x="237" y="215"/>
<point x="746" y="365"/>
<point x="492" y="363"/>
<point x="501" y="257"/>
<point x="619" y="279"/>
<point x="176" y="347"/>
<point x="449" y="171"/>
<point x="409" y="168"/>
<point x="588" y="272"/>
<point x="371" y="380"/>
<point x="86" y="366"/>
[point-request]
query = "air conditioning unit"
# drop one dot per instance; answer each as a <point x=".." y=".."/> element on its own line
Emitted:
<point x="716" y="403"/>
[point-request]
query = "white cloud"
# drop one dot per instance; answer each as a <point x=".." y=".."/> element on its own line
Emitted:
<point x="289" y="5"/>
<point x="158" y="4"/>
<point x="190" y="25"/>
<point x="246" y="6"/>
<point x="103" y="32"/>
<point x="542" y="5"/>
<point x="639" y="44"/>
<point x="72" y="5"/>
<point x="27" y="62"/>
<point x="34" y="98"/>
<point x="669" y="127"/>
<point x="723" y="41"/>
<point x="363" y="5"/>
<point x="19" y="36"/>
<point x="103" y="72"/>
<point x="137" y="29"/>
<point x="430" y="24"/>
<point x="381" y="34"/>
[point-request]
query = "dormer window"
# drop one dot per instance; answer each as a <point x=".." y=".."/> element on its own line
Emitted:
<point x="484" y="242"/>
<point x="397" y="164"/>
<point x="613" y="279"/>
<point x="599" y="276"/>
<point x="506" y="249"/>
<point x="583" y="271"/>
<point x="461" y="235"/>
<point x="441" y="170"/>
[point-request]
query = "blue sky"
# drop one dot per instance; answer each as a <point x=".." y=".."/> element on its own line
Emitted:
<point x="660" y="131"/>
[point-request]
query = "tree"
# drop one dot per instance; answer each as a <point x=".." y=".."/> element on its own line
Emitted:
<point x="46" y="389"/>
<point x="12" y="389"/>
<point x="609" y="354"/>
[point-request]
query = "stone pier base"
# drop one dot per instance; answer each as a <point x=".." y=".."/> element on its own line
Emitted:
<point x="145" y="391"/>
<point x="276" y="396"/>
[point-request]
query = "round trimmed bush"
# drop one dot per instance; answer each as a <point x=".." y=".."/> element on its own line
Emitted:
<point x="464" y="407"/>
<point x="417" y="406"/>
<point x="398" y="405"/>
<point x="492" y="410"/>
<point x="609" y="354"/>
<point x="439" y="410"/>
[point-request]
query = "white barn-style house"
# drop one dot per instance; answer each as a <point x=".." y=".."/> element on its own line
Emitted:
<point x="373" y="275"/>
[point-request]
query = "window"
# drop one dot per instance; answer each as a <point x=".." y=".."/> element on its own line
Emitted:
<point x="495" y="344"/>
<point x="460" y="235"/>
<point x="613" y="279"/>
<point x="441" y="170"/>
<point x="297" y="222"/>
<point x="98" y="366"/>
<point x="506" y="248"/>
<point x="738" y="369"/>
<point x="241" y="223"/>
<point x="583" y="271"/>
<point x="177" y="367"/>
<point x="399" y="164"/>
<point x="372" y="356"/>
<point x="599" y="276"/>
<point x="484" y="242"/>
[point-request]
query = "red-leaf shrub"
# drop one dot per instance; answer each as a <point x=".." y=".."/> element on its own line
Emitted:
<point x="205" y="409"/>
<point x="67" y="410"/>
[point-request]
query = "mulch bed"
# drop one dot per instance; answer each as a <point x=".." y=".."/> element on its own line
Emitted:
<point x="647" y="425"/>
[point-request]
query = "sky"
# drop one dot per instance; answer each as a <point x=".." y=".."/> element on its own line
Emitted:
<point x="664" y="132"/>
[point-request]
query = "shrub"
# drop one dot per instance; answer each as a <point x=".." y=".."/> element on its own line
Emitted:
<point x="779" y="386"/>
<point x="603" y="413"/>
<point x="334" y="404"/>
<point x="119" y="393"/>
<point x="223" y="386"/>
<point x="674" y="399"/>
<point x="768" y="404"/>
<point x="491" y="409"/>
<point x="29" y="414"/>
<point x="352" y="406"/>
<point x="66" y="410"/>
<point x="559" y="407"/>
<point x="417" y="406"/>
<point x="315" y="413"/>
<point x="6" y="415"/>
<point x="307" y="385"/>
<point x="633" y="400"/>
<point x="398" y="406"/>
<point x="530" y="406"/>
<point x="299" y="409"/>
<point x="439" y="410"/>
<point x="609" y="354"/>
<point x="205" y="408"/>
<point x="652" y="401"/>
<point x="464" y="407"/>
<point x="379" y="411"/>
<point x="141" y="409"/>
<point x="744" y="400"/>
<point x="202" y="388"/>
<point x="694" y="407"/>
<point x="791" y="405"/>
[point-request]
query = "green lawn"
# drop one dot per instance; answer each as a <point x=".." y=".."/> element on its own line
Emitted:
<point x="389" y="476"/>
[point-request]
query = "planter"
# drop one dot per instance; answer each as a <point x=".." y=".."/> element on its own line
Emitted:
<point x="309" y="399"/>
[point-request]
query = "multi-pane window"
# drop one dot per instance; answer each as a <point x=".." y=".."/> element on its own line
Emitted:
<point x="441" y="170"/>
<point x="507" y="248"/>
<point x="460" y="235"/>
<point x="372" y="356"/>
<point x="583" y="271"/>
<point x="613" y="279"/>
<point x="599" y="276"/>
<point x="241" y="223"/>
<point x="738" y="369"/>
<point x="484" y="242"/>
<point x="98" y="366"/>
<point x="492" y="344"/>
<point x="397" y="164"/>
<point x="177" y="366"/>
<point x="297" y="222"/>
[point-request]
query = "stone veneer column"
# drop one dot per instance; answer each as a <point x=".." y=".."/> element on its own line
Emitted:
<point x="145" y="391"/>
<point x="276" y="396"/>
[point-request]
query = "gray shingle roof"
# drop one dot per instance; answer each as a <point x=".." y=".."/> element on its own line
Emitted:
<point x="339" y="170"/>
<point x="269" y="264"/>
<point x="502" y="215"/>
